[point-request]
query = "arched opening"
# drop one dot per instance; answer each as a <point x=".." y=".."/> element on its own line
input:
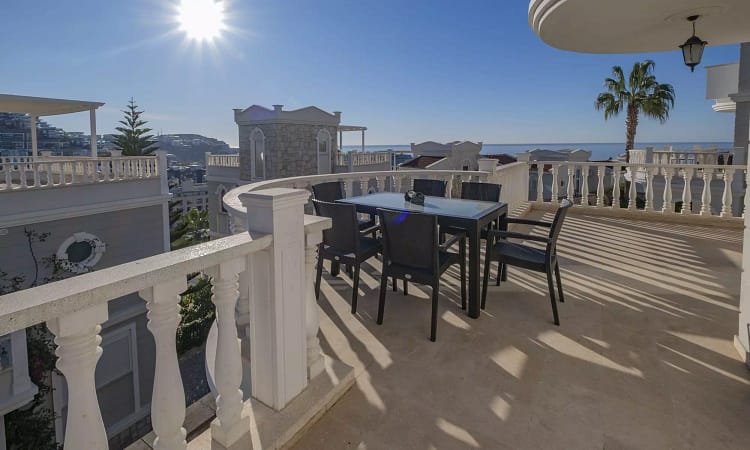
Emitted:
<point x="257" y="154"/>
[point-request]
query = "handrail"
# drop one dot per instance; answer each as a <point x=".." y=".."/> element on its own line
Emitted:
<point x="25" y="308"/>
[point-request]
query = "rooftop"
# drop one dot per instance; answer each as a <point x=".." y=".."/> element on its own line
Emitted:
<point x="643" y="357"/>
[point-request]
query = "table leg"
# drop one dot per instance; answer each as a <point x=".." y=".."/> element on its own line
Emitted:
<point x="474" y="257"/>
<point x="503" y="223"/>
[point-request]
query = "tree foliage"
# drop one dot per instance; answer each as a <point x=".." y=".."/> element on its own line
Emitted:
<point x="192" y="229"/>
<point x="639" y="93"/>
<point x="134" y="139"/>
<point x="198" y="313"/>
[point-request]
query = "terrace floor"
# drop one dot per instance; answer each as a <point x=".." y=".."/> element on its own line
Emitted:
<point x="643" y="357"/>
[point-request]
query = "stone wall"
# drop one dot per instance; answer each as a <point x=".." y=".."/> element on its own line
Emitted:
<point x="290" y="149"/>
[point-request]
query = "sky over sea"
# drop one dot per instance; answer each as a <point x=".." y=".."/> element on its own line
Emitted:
<point x="409" y="71"/>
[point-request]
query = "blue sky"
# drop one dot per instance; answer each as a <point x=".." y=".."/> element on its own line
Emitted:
<point x="410" y="71"/>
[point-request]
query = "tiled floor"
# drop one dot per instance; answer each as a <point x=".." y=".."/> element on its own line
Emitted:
<point x="643" y="357"/>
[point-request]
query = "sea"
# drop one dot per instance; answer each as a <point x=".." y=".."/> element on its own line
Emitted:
<point x="599" y="150"/>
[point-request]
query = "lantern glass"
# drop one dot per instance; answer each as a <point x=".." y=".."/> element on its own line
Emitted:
<point x="692" y="51"/>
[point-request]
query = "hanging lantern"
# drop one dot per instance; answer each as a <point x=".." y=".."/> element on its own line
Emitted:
<point x="692" y="49"/>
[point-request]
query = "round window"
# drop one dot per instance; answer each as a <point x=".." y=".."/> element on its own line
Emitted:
<point x="80" y="252"/>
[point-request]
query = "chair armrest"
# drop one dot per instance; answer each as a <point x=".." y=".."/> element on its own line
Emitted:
<point x="454" y="238"/>
<point x="368" y="230"/>
<point x="512" y="235"/>
<point x="528" y="222"/>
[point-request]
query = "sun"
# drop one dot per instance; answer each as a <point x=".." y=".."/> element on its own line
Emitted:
<point x="201" y="20"/>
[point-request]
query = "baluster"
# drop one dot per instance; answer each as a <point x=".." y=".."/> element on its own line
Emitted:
<point x="397" y="181"/>
<point x="77" y="338"/>
<point x="8" y="177"/>
<point x="22" y="172"/>
<point x="117" y="169"/>
<point x="168" y="398"/>
<point x="449" y="186"/>
<point x="667" y="207"/>
<point x="48" y="171"/>
<point x="706" y="197"/>
<point x="726" y="199"/>
<point x="555" y="169"/>
<point x="649" y="206"/>
<point x="35" y="170"/>
<point x="686" y="194"/>
<point x="585" y="185"/>
<point x="540" y="183"/>
<point x="228" y="427"/>
<point x="315" y="363"/>
<point x="632" y="188"/>
<point x="363" y="185"/>
<point x="616" y="186"/>
<point x="378" y="184"/>
<point x="571" y="182"/>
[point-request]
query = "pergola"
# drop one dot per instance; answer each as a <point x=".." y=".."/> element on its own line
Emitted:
<point x="343" y="128"/>
<point x="641" y="26"/>
<point x="39" y="106"/>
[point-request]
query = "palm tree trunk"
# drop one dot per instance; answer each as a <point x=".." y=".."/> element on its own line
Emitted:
<point x="631" y="123"/>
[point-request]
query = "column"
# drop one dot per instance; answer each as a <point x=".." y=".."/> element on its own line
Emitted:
<point x="229" y="426"/>
<point x="363" y="140"/>
<point x="313" y="236"/>
<point x="741" y="132"/>
<point x="77" y="338"/>
<point x="277" y="295"/>
<point x="168" y="398"/>
<point x="33" y="138"/>
<point x="92" y="120"/>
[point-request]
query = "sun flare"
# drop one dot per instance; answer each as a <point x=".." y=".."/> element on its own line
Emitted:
<point x="201" y="20"/>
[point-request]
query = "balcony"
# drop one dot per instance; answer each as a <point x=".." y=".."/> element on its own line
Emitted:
<point x="643" y="357"/>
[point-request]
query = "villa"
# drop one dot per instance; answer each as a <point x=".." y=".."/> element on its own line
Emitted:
<point x="652" y="345"/>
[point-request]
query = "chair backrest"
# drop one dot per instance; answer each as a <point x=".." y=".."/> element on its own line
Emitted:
<point x="344" y="234"/>
<point x="329" y="191"/>
<point x="485" y="192"/>
<point x="557" y="223"/>
<point x="410" y="239"/>
<point x="434" y="188"/>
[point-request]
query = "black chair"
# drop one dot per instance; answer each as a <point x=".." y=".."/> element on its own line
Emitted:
<point x="334" y="190"/>
<point x="343" y="243"/>
<point x="526" y="257"/>
<point x="411" y="252"/>
<point x="434" y="188"/>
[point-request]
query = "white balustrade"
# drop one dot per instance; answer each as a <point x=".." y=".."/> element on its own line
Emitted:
<point x="649" y="205"/>
<point x="726" y="198"/>
<point x="687" y="197"/>
<point x="539" y="183"/>
<point x="555" y="182"/>
<point x="667" y="207"/>
<point x="571" y="182"/>
<point x="585" y="185"/>
<point x="616" y="172"/>
<point x="632" y="187"/>
<point x="706" y="195"/>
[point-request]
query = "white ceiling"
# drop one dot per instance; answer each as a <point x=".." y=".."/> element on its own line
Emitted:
<point x="637" y="26"/>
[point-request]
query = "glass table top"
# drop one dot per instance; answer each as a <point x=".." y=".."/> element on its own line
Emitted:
<point x="439" y="206"/>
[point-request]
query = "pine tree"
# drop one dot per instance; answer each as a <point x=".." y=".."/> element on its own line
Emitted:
<point x="134" y="139"/>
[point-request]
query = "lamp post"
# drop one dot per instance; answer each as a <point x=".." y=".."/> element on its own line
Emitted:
<point x="692" y="49"/>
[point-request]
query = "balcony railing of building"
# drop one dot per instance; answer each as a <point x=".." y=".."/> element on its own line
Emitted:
<point x="219" y="160"/>
<point x="41" y="173"/>
<point x="355" y="158"/>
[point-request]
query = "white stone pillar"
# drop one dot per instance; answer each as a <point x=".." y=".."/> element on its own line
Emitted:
<point x="92" y="120"/>
<point x="168" y="398"/>
<point x="277" y="295"/>
<point x="363" y="141"/>
<point x="314" y="227"/>
<point x="77" y="338"/>
<point x="162" y="168"/>
<point x="34" y="149"/>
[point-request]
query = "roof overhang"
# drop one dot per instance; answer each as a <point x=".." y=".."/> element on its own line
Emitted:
<point x="351" y="128"/>
<point x="39" y="106"/>
<point x="637" y="26"/>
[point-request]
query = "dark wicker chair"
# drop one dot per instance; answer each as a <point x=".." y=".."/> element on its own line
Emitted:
<point x="434" y="188"/>
<point x="343" y="243"/>
<point x="334" y="190"/>
<point x="526" y="257"/>
<point x="411" y="252"/>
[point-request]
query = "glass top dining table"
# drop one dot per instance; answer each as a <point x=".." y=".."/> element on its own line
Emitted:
<point x="471" y="215"/>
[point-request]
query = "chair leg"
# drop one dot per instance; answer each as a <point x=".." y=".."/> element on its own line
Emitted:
<point x="317" y="276"/>
<point x="559" y="282"/>
<point x="499" y="273"/>
<point x="486" y="277"/>
<point x="381" y="303"/>
<point x="335" y="268"/>
<point x="356" y="288"/>
<point x="406" y="287"/>
<point x="552" y="295"/>
<point x="462" y="255"/>
<point x="395" y="286"/>
<point x="433" y="321"/>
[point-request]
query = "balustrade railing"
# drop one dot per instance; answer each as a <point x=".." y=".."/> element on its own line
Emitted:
<point x="363" y="158"/>
<point x="253" y="272"/>
<point x="700" y="189"/>
<point x="220" y="160"/>
<point x="25" y="173"/>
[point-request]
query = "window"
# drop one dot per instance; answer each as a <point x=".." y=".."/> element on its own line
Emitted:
<point x="324" y="141"/>
<point x="257" y="152"/>
<point x="80" y="253"/>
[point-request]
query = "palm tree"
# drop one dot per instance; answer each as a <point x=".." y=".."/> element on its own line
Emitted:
<point x="641" y="93"/>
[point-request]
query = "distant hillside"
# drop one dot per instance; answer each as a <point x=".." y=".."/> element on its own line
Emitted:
<point x="191" y="147"/>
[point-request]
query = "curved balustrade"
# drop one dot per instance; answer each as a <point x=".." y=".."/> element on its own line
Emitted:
<point x="25" y="173"/>
<point x="355" y="183"/>
<point x="687" y="189"/>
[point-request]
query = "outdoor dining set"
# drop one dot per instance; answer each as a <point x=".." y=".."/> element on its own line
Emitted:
<point x="416" y="234"/>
